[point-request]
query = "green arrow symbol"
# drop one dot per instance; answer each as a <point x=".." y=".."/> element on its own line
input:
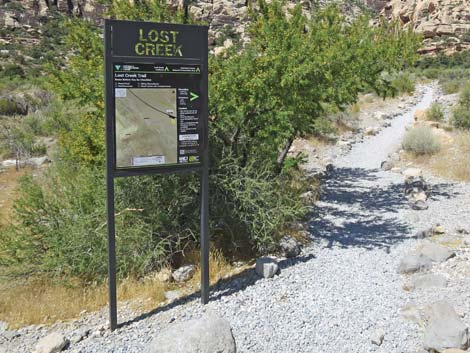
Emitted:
<point x="193" y="95"/>
<point x="166" y="68"/>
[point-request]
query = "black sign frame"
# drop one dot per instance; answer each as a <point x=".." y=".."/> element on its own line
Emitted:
<point x="192" y="51"/>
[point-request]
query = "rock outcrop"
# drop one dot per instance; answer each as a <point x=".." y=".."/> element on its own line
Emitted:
<point x="445" y="24"/>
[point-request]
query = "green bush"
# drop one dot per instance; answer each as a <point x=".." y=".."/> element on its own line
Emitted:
<point x="13" y="70"/>
<point x="461" y="118"/>
<point x="450" y="86"/>
<point x="10" y="107"/>
<point x="420" y="141"/>
<point x="404" y="83"/>
<point x="461" y="114"/>
<point x="435" y="112"/>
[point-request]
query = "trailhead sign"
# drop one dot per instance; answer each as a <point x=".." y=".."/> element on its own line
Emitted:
<point x="156" y="116"/>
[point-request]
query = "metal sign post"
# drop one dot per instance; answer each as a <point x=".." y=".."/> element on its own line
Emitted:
<point x="156" y="92"/>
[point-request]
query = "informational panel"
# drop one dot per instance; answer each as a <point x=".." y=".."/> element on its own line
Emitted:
<point x="158" y="114"/>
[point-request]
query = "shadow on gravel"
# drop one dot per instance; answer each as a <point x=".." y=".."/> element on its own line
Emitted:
<point x="222" y="288"/>
<point x="361" y="212"/>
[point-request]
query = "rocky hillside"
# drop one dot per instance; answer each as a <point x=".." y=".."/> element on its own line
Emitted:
<point x="445" y="24"/>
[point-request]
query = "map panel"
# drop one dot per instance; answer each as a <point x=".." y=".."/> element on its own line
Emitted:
<point x="146" y="126"/>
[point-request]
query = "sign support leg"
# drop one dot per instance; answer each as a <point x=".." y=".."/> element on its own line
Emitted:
<point x="204" y="232"/>
<point x="111" y="253"/>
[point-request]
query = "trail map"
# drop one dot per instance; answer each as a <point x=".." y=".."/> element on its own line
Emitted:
<point x="157" y="115"/>
<point x="146" y="126"/>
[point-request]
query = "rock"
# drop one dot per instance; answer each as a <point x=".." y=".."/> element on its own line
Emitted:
<point x="419" y="205"/>
<point x="79" y="335"/>
<point x="396" y="170"/>
<point x="411" y="312"/>
<point x="445" y="329"/>
<point x="453" y="350"/>
<point x="3" y="327"/>
<point x="378" y="337"/>
<point x="37" y="161"/>
<point x="413" y="262"/>
<point x="435" y="252"/>
<point x="218" y="51"/>
<point x="422" y="234"/>
<point x="172" y="295"/>
<point x="52" y="343"/>
<point x="289" y="247"/>
<point x="184" y="273"/>
<point x="438" y="229"/>
<point x="386" y="165"/>
<point x="429" y="280"/>
<point x="412" y="173"/>
<point x="164" y="275"/>
<point x="371" y="131"/>
<point x="266" y="267"/>
<point x="10" y="335"/>
<point x="208" y="334"/>
<point x="3" y="349"/>
<point x="380" y="115"/>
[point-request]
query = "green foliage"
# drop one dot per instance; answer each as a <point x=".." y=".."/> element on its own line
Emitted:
<point x="287" y="78"/>
<point x="282" y="85"/>
<point x="443" y="61"/>
<point x="9" y="106"/>
<point x="12" y="70"/>
<point x="252" y="204"/>
<point x="404" y="82"/>
<point x="435" y="112"/>
<point x="147" y="10"/>
<point x="62" y="230"/>
<point x="420" y="141"/>
<point x="461" y="114"/>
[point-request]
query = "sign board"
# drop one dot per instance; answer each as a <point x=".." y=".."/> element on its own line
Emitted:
<point x="157" y="96"/>
<point x="156" y="115"/>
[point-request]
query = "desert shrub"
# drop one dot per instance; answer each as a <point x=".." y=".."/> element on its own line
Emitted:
<point x="461" y="117"/>
<point x="461" y="113"/>
<point x="13" y="70"/>
<point x="421" y="140"/>
<point x="404" y="82"/>
<point x="450" y="86"/>
<point x="435" y="112"/>
<point x="9" y="106"/>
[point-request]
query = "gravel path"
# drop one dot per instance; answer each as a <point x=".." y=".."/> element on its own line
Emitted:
<point x="341" y="289"/>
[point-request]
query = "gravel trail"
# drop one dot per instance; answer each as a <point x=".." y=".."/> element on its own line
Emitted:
<point x="344" y="287"/>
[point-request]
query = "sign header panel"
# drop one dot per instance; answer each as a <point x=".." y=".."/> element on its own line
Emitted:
<point x="158" y="40"/>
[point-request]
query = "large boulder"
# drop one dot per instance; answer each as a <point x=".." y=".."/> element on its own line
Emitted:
<point x="266" y="267"/>
<point x="289" y="247"/>
<point x="209" y="334"/>
<point x="183" y="273"/>
<point x="435" y="252"/>
<point x="414" y="262"/>
<point x="445" y="329"/>
<point x="429" y="280"/>
<point x="52" y="343"/>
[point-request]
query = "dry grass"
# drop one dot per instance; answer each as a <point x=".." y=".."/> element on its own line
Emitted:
<point x="44" y="301"/>
<point x="452" y="161"/>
